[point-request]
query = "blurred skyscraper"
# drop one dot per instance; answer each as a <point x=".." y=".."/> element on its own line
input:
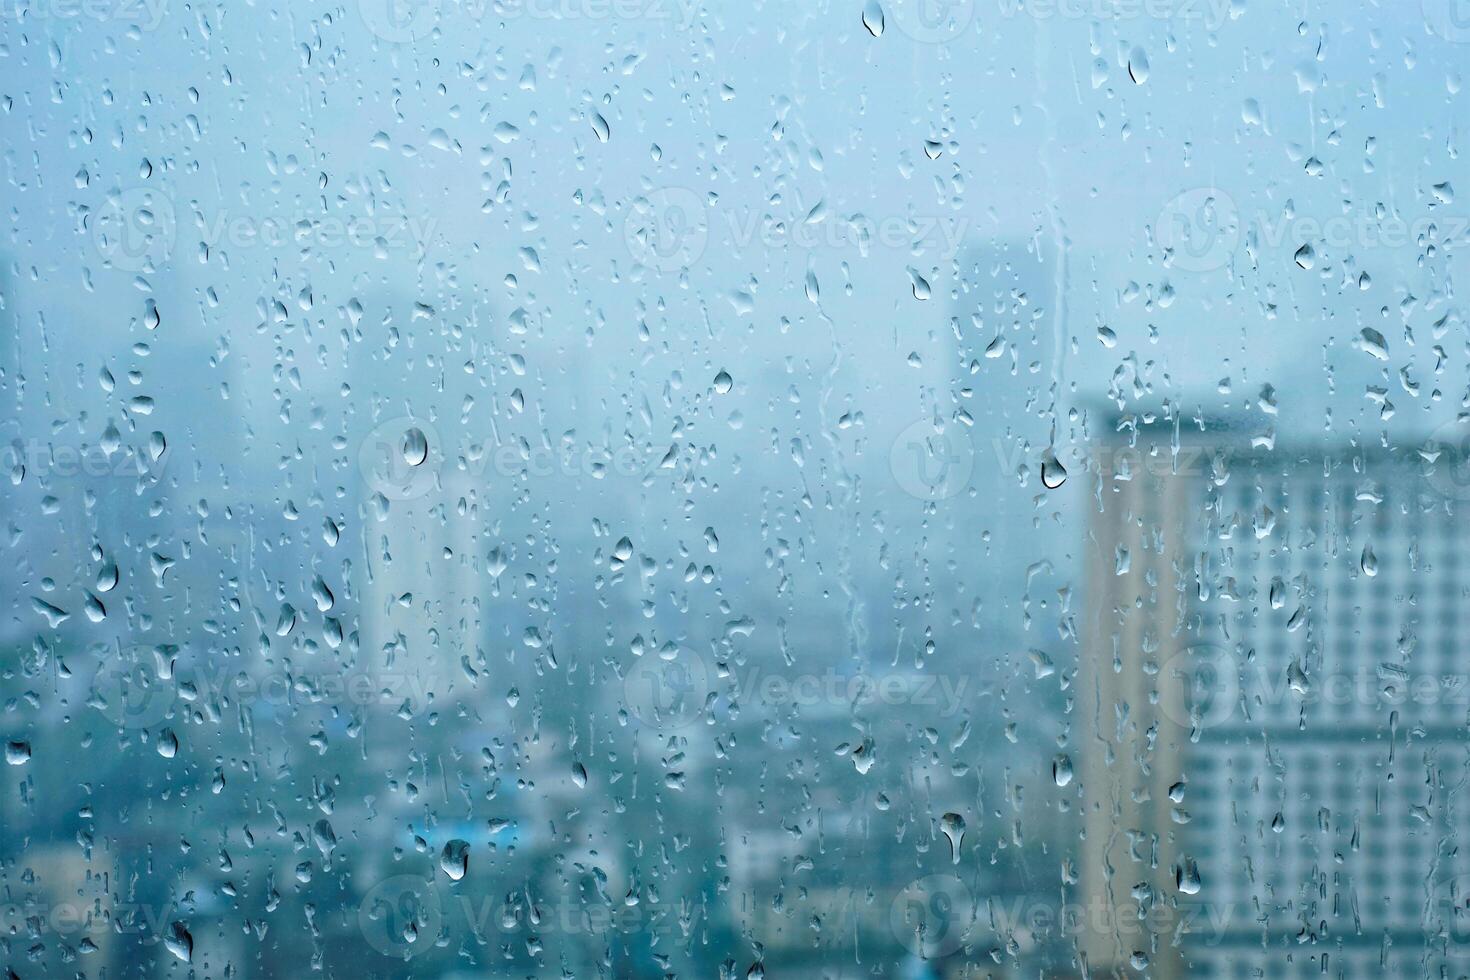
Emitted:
<point x="1274" y="674"/>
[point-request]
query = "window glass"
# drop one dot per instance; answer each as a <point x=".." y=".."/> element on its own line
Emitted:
<point x="668" y="488"/>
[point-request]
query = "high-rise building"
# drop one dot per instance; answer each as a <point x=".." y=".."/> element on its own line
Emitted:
<point x="1276" y="708"/>
<point x="1138" y="568"/>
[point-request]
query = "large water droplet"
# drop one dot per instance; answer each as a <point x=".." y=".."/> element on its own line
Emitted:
<point x="953" y="826"/>
<point x="1186" y="877"/>
<point x="1053" y="473"/>
<point x="1061" y="769"/>
<point x="179" y="942"/>
<point x="454" y="860"/>
<point x="873" y="18"/>
<point x="415" y="447"/>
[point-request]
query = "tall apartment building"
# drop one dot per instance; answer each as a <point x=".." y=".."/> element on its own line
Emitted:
<point x="1274" y="709"/>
